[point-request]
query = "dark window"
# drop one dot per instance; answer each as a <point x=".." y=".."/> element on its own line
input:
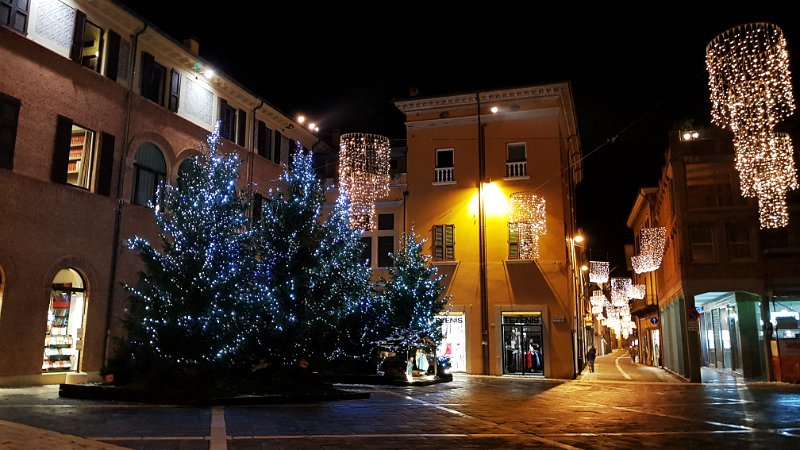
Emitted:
<point x="258" y="205"/>
<point x="241" y="127"/>
<point x="150" y="171"/>
<point x="444" y="158"/>
<point x="516" y="152"/>
<point x="154" y="77"/>
<point x="264" y="144"/>
<point x="444" y="242"/>
<point x="385" y="248"/>
<point x="174" y="91"/>
<point x="9" y="118"/>
<point x="739" y="241"/>
<point x="386" y="221"/>
<point x="366" y="254"/>
<point x="711" y="185"/>
<point x="701" y="240"/>
<point x="227" y="117"/>
<point x="112" y="55"/>
<point x="14" y="14"/>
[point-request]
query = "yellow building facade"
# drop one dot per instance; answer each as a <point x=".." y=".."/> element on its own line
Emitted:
<point x="467" y="154"/>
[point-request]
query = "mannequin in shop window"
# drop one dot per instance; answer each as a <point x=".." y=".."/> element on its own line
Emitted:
<point x="422" y="361"/>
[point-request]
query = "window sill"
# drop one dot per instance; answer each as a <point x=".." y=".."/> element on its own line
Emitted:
<point x="526" y="177"/>
<point x="444" y="263"/>
<point x="443" y="183"/>
<point x="520" y="261"/>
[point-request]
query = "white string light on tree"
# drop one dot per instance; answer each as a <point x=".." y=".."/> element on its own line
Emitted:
<point x="751" y="92"/>
<point x="528" y="214"/>
<point x="363" y="175"/>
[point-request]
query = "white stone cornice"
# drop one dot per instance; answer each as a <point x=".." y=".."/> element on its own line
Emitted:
<point x="514" y="115"/>
<point x="525" y="93"/>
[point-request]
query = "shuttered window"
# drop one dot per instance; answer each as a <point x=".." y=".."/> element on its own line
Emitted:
<point x="241" y="127"/>
<point x="513" y="241"/>
<point x="9" y="118"/>
<point x="444" y="242"/>
<point x="112" y="55"/>
<point x="264" y="143"/>
<point x="174" y="91"/>
<point x="14" y="14"/>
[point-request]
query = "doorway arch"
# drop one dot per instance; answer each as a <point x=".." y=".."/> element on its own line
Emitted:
<point x="66" y="314"/>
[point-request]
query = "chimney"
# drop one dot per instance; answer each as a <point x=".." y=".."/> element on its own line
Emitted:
<point x="193" y="45"/>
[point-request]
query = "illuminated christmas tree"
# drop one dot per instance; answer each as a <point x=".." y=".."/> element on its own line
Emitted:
<point x="413" y="294"/>
<point x="197" y="303"/>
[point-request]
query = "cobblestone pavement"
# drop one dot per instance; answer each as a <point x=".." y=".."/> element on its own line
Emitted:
<point x="621" y="405"/>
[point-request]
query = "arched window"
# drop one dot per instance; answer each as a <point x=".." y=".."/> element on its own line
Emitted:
<point x="150" y="171"/>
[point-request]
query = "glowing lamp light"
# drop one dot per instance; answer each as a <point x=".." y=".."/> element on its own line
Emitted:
<point x="363" y="175"/>
<point x="495" y="203"/>
<point x="208" y="74"/>
<point x="301" y="119"/>
<point x="494" y="109"/>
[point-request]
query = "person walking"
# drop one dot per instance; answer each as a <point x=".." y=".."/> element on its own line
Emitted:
<point x="590" y="356"/>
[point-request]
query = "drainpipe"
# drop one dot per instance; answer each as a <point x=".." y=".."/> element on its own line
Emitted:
<point x="405" y="198"/>
<point x="120" y="201"/>
<point x="482" y="243"/>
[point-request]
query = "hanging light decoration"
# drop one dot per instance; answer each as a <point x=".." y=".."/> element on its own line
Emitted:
<point x="751" y="92"/>
<point x="651" y="250"/>
<point x="597" y="298"/>
<point x="598" y="272"/>
<point x="363" y="175"/>
<point x="528" y="214"/>
<point x="636" y="291"/>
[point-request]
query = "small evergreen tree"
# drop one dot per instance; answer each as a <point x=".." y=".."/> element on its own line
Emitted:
<point x="413" y="293"/>
<point x="195" y="305"/>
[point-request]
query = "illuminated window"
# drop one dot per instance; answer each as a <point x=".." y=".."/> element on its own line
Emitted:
<point x="80" y="167"/>
<point x="87" y="42"/>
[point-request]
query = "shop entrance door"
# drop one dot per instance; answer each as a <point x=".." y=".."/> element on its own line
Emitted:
<point x="523" y="343"/>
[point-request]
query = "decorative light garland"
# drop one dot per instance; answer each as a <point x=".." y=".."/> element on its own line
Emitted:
<point x="528" y="213"/>
<point x="619" y="291"/>
<point x="651" y="250"/>
<point x="598" y="272"/>
<point x="363" y="175"/>
<point x="751" y="92"/>
<point x="636" y="291"/>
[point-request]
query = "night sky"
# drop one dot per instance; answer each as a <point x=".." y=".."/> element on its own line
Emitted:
<point x="635" y="74"/>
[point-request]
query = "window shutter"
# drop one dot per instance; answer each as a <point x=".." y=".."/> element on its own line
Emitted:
<point x="223" y="118"/>
<point x="276" y="155"/>
<point x="241" y="127"/>
<point x="9" y="118"/>
<point x="438" y="242"/>
<point x="174" y="91"/>
<point x="513" y="241"/>
<point x="449" y="242"/>
<point x="147" y="75"/>
<point x="76" y="50"/>
<point x="112" y="55"/>
<point x="263" y="142"/>
<point x="14" y="13"/>
<point x="105" y="164"/>
<point x="61" y="150"/>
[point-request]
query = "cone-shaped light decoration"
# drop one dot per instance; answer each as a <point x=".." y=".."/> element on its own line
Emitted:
<point x="363" y="175"/>
<point x="751" y="92"/>
<point x="598" y="272"/>
<point x="528" y="213"/>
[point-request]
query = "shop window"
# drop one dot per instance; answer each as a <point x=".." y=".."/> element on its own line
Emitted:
<point x="87" y="42"/>
<point x="65" y="323"/>
<point x="740" y="243"/>
<point x="9" y="117"/>
<point x="150" y="171"/>
<point x="154" y="78"/>
<point x="701" y="239"/>
<point x="14" y="14"/>
<point x="444" y="243"/>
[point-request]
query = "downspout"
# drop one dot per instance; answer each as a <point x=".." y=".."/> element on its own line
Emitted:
<point x="118" y="213"/>
<point x="253" y="151"/>
<point x="405" y="198"/>
<point x="482" y="243"/>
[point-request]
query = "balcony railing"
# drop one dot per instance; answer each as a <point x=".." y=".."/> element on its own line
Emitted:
<point x="444" y="175"/>
<point x="517" y="169"/>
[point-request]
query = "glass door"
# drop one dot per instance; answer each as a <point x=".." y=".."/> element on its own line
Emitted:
<point x="523" y="351"/>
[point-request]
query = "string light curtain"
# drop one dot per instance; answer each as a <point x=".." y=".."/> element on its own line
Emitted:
<point x="598" y="272"/>
<point x="363" y="175"/>
<point x="528" y="213"/>
<point x="751" y="92"/>
<point x="651" y="250"/>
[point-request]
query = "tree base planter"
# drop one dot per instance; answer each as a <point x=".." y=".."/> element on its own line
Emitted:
<point x="128" y="394"/>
